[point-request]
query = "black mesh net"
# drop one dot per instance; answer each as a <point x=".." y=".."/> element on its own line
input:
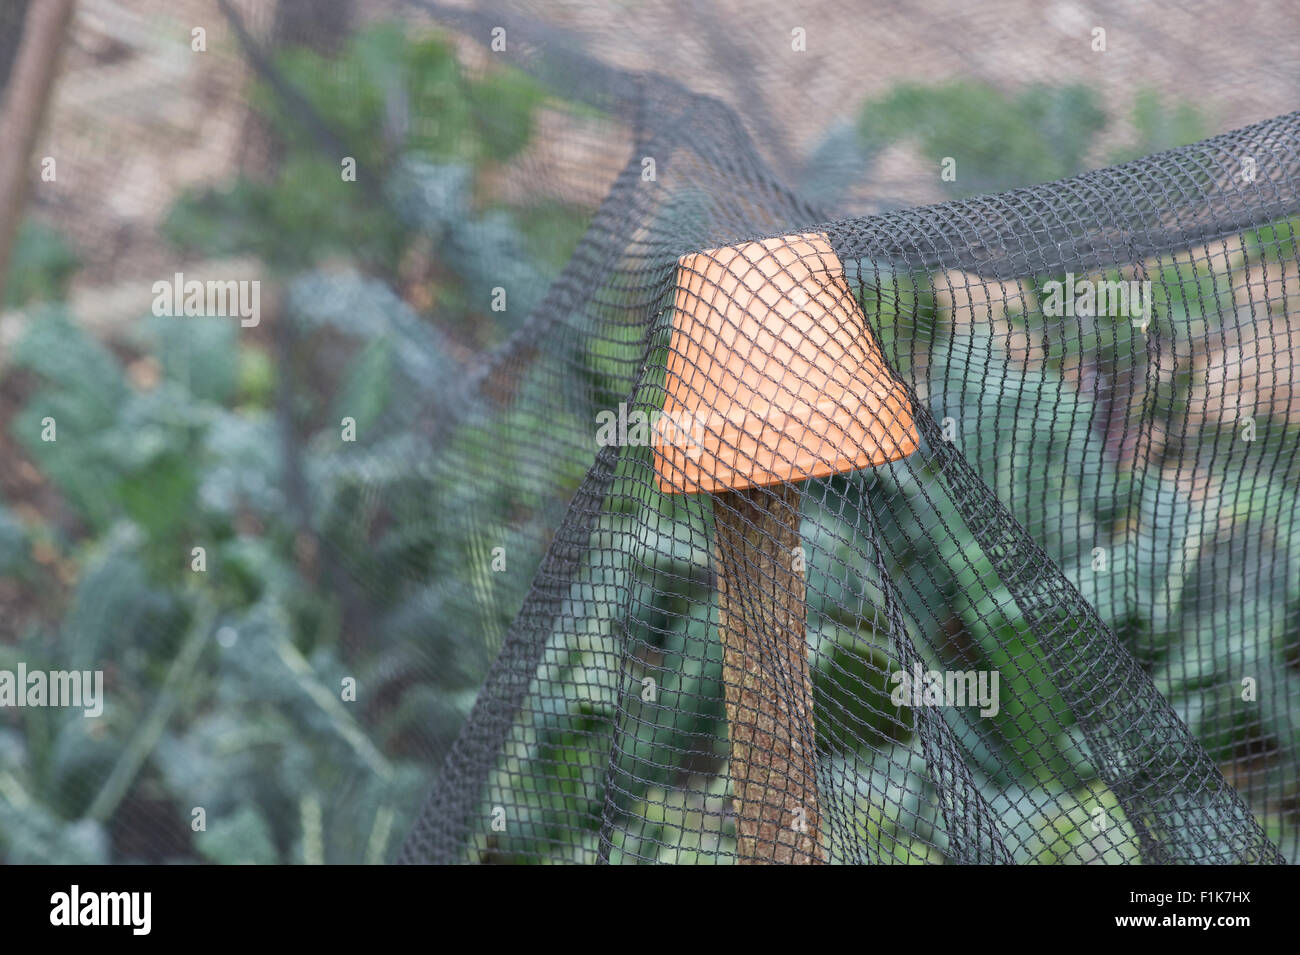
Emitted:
<point x="1005" y="546"/>
<point x="758" y="522"/>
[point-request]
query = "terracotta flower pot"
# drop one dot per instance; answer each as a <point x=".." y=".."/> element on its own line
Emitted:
<point x="771" y="374"/>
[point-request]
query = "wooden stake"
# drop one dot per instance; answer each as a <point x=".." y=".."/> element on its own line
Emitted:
<point x="30" y="82"/>
<point x="762" y="616"/>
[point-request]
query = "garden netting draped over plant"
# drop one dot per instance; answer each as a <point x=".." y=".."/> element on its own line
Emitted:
<point x="1059" y="623"/>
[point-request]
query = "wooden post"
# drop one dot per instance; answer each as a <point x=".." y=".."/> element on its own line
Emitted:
<point x="771" y="379"/>
<point x="30" y="83"/>
<point x="762" y="616"/>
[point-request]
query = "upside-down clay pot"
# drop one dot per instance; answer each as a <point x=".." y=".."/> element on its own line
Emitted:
<point x="771" y="374"/>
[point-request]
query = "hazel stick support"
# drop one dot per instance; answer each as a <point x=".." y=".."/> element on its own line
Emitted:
<point x="30" y="83"/>
<point x="769" y="702"/>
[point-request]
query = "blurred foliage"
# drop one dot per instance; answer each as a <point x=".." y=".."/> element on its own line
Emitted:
<point x="226" y="687"/>
<point x="999" y="142"/>
<point x="1002" y="141"/>
<point x="380" y="163"/>
<point x="225" y="684"/>
<point x="40" y="266"/>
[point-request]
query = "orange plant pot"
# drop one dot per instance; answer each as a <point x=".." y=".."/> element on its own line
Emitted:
<point x="772" y="375"/>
